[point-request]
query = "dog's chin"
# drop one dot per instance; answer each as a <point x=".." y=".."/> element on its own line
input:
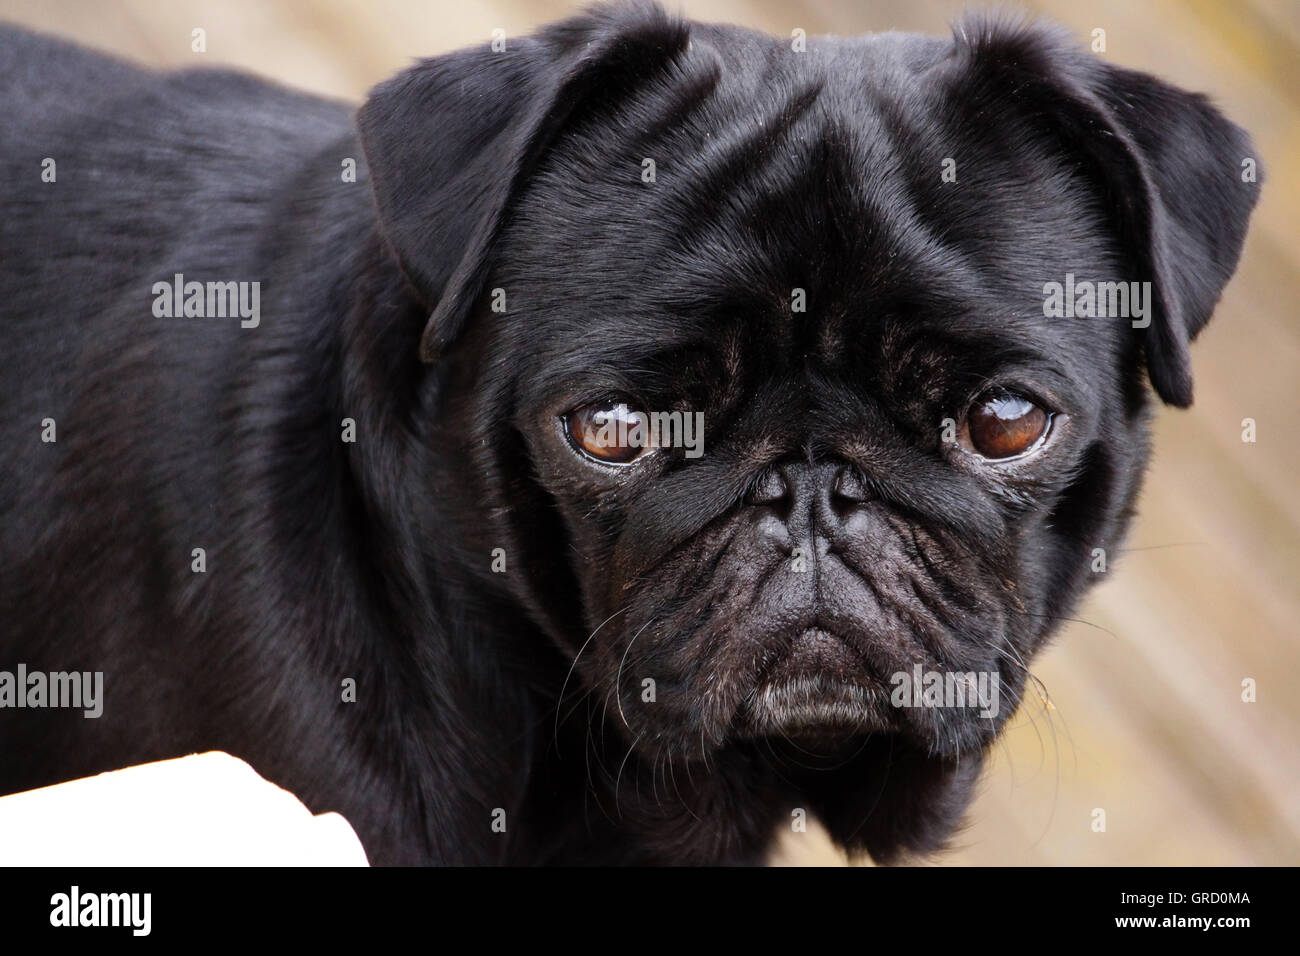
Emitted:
<point x="818" y="694"/>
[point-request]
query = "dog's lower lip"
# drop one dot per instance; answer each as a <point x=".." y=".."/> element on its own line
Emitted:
<point x="815" y="654"/>
<point x="817" y="686"/>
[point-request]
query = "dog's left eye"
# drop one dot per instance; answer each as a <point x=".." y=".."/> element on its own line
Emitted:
<point x="1002" y="424"/>
<point x="607" y="432"/>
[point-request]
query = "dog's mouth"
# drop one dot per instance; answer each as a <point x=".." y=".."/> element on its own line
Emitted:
<point x="817" y="689"/>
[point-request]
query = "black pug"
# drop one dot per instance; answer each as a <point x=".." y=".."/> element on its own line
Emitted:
<point x="359" y="517"/>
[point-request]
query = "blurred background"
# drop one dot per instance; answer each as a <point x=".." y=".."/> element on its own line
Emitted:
<point x="1142" y="713"/>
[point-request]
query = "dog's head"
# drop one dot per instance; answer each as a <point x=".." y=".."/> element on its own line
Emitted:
<point x="836" y="293"/>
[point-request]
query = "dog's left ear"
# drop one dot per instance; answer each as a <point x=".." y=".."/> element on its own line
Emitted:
<point x="1178" y="178"/>
<point x="451" y="141"/>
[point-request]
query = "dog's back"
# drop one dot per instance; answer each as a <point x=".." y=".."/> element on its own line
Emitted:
<point x="119" y="427"/>
<point x="109" y="174"/>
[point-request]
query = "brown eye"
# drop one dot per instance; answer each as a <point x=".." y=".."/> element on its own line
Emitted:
<point x="607" y="431"/>
<point x="1003" y="425"/>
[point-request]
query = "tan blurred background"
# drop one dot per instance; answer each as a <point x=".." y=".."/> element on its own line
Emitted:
<point x="1145" y="719"/>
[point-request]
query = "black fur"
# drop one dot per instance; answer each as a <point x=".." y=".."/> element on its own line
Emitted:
<point x="522" y="171"/>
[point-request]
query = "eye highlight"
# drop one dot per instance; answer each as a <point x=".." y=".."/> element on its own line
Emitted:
<point x="607" y="432"/>
<point x="1001" y="424"/>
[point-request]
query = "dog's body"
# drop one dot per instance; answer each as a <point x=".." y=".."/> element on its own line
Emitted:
<point x="327" y="560"/>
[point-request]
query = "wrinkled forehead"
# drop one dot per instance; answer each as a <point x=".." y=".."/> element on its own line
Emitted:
<point x="836" y="207"/>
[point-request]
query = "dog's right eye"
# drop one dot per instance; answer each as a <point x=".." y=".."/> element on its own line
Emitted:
<point x="607" y="432"/>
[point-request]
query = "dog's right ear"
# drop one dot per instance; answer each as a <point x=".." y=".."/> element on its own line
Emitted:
<point x="451" y="141"/>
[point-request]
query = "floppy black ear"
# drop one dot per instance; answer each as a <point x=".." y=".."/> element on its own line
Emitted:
<point x="1173" y="171"/>
<point x="451" y="141"/>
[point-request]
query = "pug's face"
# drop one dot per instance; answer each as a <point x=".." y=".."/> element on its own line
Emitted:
<point x="875" y="453"/>
<point x="854" y="272"/>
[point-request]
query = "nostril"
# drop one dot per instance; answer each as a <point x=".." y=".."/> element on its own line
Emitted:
<point x="770" y="489"/>
<point x="848" y="489"/>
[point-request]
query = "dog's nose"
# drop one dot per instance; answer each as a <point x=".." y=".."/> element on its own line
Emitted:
<point x="809" y="500"/>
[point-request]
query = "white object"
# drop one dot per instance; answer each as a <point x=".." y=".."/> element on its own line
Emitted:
<point x="207" y="809"/>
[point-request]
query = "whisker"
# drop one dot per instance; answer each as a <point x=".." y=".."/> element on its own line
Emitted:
<point x="618" y="677"/>
<point x="559" y="701"/>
